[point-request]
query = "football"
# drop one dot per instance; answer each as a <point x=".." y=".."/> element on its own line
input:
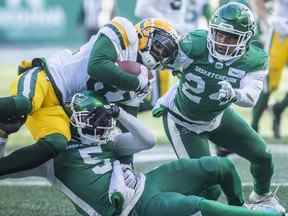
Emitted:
<point x="133" y="68"/>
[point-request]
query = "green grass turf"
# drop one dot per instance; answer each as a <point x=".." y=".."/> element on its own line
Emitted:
<point x="46" y="201"/>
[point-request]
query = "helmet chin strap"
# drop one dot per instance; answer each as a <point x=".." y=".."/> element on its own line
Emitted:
<point x="148" y="60"/>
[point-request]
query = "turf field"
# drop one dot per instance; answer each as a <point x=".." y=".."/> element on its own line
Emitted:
<point x="34" y="197"/>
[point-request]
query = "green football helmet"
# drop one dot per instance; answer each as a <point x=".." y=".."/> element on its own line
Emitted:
<point x="88" y="117"/>
<point x="230" y="29"/>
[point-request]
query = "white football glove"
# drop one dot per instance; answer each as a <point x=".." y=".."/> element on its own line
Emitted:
<point x="129" y="176"/>
<point x="143" y="79"/>
<point x="226" y="92"/>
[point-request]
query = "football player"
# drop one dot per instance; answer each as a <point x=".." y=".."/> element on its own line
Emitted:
<point x="278" y="58"/>
<point x="185" y="16"/>
<point x="220" y="68"/>
<point x="40" y="92"/>
<point x="257" y="40"/>
<point x="90" y="175"/>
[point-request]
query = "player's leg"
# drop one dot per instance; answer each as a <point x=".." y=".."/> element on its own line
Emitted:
<point x="277" y="62"/>
<point x="187" y="144"/>
<point x="43" y="170"/>
<point x="31" y="156"/>
<point x="277" y="111"/>
<point x="236" y="135"/>
<point x="193" y="176"/>
<point x="179" y="194"/>
<point x="23" y="89"/>
<point x="259" y="108"/>
<point x="48" y="124"/>
<point x="171" y="204"/>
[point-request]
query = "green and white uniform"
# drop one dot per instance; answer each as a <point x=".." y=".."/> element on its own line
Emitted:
<point x="93" y="66"/>
<point x="178" y="188"/>
<point x="195" y="115"/>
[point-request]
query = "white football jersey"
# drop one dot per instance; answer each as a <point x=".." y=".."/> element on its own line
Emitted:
<point x="182" y="14"/>
<point x="70" y="69"/>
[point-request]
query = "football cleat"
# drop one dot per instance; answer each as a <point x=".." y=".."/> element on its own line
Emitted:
<point x="267" y="201"/>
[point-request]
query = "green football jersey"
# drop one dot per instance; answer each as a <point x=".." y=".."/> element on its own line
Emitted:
<point x="198" y="88"/>
<point x="84" y="176"/>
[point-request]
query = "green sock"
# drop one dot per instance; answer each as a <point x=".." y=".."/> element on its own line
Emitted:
<point x="14" y="106"/>
<point x="214" y="208"/>
<point x="259" y="109"/>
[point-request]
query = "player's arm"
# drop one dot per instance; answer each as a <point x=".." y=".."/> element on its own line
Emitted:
<point x="137" y="139"/>
<point x="102" y="67"/>
<point x="250" y="88"/>
<point x="146" y="9"/>
<point x="248" y="92"/>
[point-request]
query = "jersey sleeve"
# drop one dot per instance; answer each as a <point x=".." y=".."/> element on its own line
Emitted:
<point x="105" y="53"/>
<point x="191" y="46"/>
<point x="250" y="88"/>
<point x="137" y="139"/>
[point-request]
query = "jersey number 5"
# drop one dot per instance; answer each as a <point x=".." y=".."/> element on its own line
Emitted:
<point x="101" y="165"/>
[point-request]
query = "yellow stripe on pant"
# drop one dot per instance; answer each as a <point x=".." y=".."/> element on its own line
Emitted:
<point x="278" y="55"/>
<point x="47" y="116"/>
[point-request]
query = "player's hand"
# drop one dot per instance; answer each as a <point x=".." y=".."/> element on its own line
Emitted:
<point x="144" y="84"/>
<point x="226" y="92"/>
<point x="98" y="114"/>
<point x="158" y="111"/>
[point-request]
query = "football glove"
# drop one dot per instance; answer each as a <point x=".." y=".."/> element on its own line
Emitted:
<point x="144" y="83"/>
<point x="226" y="92"/>
<point x="96" y="115"/>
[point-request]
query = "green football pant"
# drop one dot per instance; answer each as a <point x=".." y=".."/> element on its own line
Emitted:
<point x="233" y="134"/>
<point x="176" y="188"/>
<point x="259" y="108"/>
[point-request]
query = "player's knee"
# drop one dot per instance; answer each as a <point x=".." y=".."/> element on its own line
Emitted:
<point x="226" y="166"/>
<point x="56" y="142"/>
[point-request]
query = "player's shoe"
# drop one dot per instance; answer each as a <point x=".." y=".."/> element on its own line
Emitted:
<point x="276" y="121"/>
<point x="269" y="200"/>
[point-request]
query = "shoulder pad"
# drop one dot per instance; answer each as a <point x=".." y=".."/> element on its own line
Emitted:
<point x="126" y="29"/>
<point x="254" y="59"/>
<point x="194" y="43"/>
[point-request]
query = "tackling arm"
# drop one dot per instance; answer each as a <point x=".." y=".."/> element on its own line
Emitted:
<point x="102" y="66"/>
<point x="139" y="137"/>
<point x="250" y="88"/>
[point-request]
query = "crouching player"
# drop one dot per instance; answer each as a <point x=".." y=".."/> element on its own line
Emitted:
<point x="92" y="177"/>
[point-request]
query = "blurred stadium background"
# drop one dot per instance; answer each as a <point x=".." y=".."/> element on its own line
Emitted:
<point x="36" y="28"/>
